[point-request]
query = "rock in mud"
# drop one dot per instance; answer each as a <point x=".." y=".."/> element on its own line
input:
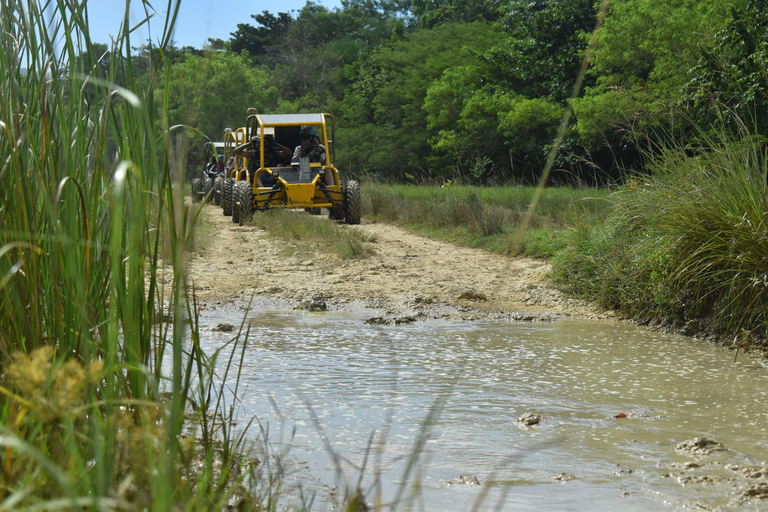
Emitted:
<point x="314" y="303"/>
<point x="398" y="320"/>
<point x="223" y="328"/>
<point x="759" y="490"/>
<point x="462" y="480"/>
<point x="529" y="419"/>
<point x="533" y="317"/>
<point x="700" y="446"/>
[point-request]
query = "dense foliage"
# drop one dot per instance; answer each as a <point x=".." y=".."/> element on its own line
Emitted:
<point x="428" y="90"/>
<point x="683" y="244"/>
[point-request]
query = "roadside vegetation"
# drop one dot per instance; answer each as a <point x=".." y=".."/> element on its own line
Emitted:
<point x="485" y="217"/>
<point x="684" y="244"/>
<point x="681" y="244"/>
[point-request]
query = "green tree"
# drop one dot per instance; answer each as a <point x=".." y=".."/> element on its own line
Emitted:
<point x="259" y="39"/>
<point x="496" y="117"/>
<point x="430" y="13"/>
<point x="732" y="76"/>
<point x="542" y="56"/>
<point x="465" y="119"/>
<point x="213" y="92"/>
<point x="641" y="67"/>
<point x="382" y="107"/>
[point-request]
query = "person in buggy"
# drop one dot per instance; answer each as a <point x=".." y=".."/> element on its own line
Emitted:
<point x="311" y="147"/>
<point x="275" y="155"/>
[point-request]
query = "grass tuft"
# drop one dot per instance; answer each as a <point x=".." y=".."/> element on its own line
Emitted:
<point x="310" y="231"/>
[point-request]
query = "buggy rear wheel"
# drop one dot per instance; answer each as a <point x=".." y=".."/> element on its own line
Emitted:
<point x="246" y="202"/>
<point x="226" y="196"/>
<point x="235" y="200"/>
<point x="197" y="187"/>
<point x="336" y="213"/>
<point x="217" y="190"/>
<point x="208" y="184"/>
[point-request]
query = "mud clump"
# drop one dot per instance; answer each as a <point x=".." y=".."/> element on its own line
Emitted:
<point x="700" y="446"/>
<point x="313" y="303"/>
<point x="759" y="490"/>
<point x="398" y="320"/>
<point x="472" y="295"/>
<point x="529" y="419"/>
<point x="470" y="481"/>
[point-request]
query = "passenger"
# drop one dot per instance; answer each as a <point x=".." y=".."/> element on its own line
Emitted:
<point x="311" y="147"/>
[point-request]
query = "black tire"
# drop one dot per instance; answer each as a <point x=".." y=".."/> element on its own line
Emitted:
<point x="226" y="196"/>
<point x="208" y="185"/>
<point x="353" y="204"/>
<point x="235" y="200"/>
<point x="217" y="190"/>
<point x="246" y="202"/>
<point x="197" y="188"/>
<point x="336" y="213"/>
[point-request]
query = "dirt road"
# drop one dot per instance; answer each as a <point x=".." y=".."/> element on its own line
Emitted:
<point x="407" y="275"/>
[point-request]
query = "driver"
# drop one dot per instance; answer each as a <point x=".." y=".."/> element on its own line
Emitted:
<point x="274" y="154"/>
<point x="310" y="146"/>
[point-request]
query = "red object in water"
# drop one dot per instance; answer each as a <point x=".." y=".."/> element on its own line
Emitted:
<point x="622" y="415"/>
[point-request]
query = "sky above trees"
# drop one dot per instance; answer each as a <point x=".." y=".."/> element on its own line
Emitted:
<point x="198" y="20"/>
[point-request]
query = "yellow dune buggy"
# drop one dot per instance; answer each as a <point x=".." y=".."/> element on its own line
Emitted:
<point x="304" y="177"/>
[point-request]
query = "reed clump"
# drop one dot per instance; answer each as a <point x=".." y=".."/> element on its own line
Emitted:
<point x="98" y="392"/>
<point x="685" y="244"/>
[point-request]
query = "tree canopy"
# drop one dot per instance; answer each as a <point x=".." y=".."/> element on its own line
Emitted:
<point x="475" y="90"/>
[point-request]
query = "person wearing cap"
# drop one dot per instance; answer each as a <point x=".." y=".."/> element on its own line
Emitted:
<point x="311" y="147"/>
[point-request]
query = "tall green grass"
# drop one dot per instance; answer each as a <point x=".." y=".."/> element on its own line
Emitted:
<point x="97" y="379"/>
<point x="486" y="217"/>
<point x="688" y="241"/>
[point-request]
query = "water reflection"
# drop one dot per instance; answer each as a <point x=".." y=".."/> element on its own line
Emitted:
<point x="577" y="374"/>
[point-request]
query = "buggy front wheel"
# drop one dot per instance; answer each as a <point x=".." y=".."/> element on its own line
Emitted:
<point x="353" y="207"/>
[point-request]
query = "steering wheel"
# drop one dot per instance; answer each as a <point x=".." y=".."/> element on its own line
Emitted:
<point x="307" y="150"/>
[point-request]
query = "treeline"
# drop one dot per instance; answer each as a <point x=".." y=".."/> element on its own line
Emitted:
<point x="432" y="90"/>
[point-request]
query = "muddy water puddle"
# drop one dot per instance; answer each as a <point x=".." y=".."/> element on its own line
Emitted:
<point x="623" y="416"/>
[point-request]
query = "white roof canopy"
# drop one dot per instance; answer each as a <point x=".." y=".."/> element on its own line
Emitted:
<point x="290" y="119"/>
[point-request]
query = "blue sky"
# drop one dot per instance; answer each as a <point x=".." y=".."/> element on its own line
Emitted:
<point x="198" y="19"/>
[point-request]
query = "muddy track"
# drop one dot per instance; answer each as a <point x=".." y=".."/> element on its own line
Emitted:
<point x="408" y="274"/>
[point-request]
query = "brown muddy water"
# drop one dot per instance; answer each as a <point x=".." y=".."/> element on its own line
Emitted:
<point x="621" y="412"/>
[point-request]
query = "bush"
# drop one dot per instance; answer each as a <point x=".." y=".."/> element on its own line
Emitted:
<point x="688" y="241"/>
